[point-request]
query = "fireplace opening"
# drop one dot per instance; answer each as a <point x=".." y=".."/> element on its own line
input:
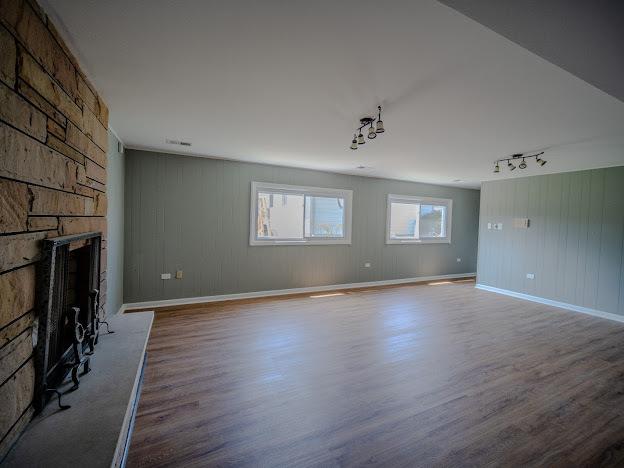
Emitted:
<point x="68" y="319"/>
<point x="77" y="295"/>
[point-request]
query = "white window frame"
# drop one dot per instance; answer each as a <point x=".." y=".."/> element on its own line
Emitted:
<point x="393" y="198"/>
<point x="256" y="187"/>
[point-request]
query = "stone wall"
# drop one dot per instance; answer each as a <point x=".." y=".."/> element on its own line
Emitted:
<point x="53" y="142"/>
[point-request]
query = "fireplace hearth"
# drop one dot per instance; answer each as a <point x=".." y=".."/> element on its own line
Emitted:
<point x="68" y="313"/>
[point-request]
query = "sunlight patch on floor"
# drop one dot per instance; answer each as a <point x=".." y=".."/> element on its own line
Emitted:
<point x="327" y="295"/>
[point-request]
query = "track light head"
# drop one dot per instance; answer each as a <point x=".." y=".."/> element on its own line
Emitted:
<point x="354" y="143"/>
<point x="360" y="139"/>
<point x="380" y="124"/>
<point x="510" y="165"/>
<point x="522" y="165"/>
<point x="371" y="132"/>
<point x="496" y="169"/>
<point x="540" y="161"/>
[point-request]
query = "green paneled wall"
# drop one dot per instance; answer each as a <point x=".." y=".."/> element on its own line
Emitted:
<point x="192" y="214"/>
<point x="574" y="245"/>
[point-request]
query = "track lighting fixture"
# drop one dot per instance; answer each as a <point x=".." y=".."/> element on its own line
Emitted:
<point x="523" y="165"/>
<point x="373" y="130"/>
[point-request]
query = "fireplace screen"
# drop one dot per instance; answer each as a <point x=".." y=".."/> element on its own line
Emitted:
<point x="68" y="317"/>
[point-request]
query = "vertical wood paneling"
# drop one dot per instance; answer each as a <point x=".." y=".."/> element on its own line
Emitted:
<point x="579" y="285"/>
<point x="499" y="236"/>
<point x="521" y="201"/>
<point x="611" y="242"/>
<point x="572" y="244"/>
<point x="546" y="278"/>
<point x="575" y="243"/>
<point x="539" y="225"/>
<point x="193" y="214"/>
<point x="531" y="244"/>
<point x="486" y="245"/>
<point x="562" y="240"/>
<point x="596" y="202"/>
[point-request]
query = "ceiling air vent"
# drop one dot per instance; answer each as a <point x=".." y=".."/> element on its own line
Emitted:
<point x="177" y="142"/>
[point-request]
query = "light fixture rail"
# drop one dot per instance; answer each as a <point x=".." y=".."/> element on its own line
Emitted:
<point x="519" y="156"/>
<point x="373" y="131"/>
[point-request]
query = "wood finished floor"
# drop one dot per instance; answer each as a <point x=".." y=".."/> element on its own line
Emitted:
<point x="443" y="375"/>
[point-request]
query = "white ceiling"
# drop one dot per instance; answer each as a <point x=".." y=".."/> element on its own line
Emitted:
<point x="284" y="82"/>
<point x="584" y="38"/>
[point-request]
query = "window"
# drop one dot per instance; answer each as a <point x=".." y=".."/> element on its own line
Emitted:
<point x="418" y="220"/>
<point x="287" y="215"/>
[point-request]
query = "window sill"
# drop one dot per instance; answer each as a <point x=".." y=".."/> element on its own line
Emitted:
<point x="417" y="242"/>
<point x="257" y="243"/>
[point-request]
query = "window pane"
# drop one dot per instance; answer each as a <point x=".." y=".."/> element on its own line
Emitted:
<point x="280" y="216"/>
<point x="432" y="221"/>
<point x="404" y="220"/>
<point x="324" y="216"/>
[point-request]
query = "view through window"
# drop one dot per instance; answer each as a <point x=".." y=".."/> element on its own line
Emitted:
<point x="291" y="214"/>
<point x="417" y="219"/>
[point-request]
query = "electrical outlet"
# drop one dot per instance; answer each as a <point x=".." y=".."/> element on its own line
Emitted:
<point x="367" y="265"/>
<point x="530" y="276"/>
<point x="179" y="274"/>
<point x="458" y="260"/>
<point x="165" y="276"/>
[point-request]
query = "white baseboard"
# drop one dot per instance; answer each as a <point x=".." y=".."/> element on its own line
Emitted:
<point x="285" y="292"/>
<point x="550" y="302"/>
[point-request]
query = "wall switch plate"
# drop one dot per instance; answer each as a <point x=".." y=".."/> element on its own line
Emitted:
<point x="179" y="274"/>
<point x="367" y="265"/>
<point x="489" y="225"/>
<point x="458" y="260"/>
<point x="530" y="276"/>
<point x="165" y="276"/>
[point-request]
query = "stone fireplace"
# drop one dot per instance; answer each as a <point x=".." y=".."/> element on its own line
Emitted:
<point x="53" y="182"/>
